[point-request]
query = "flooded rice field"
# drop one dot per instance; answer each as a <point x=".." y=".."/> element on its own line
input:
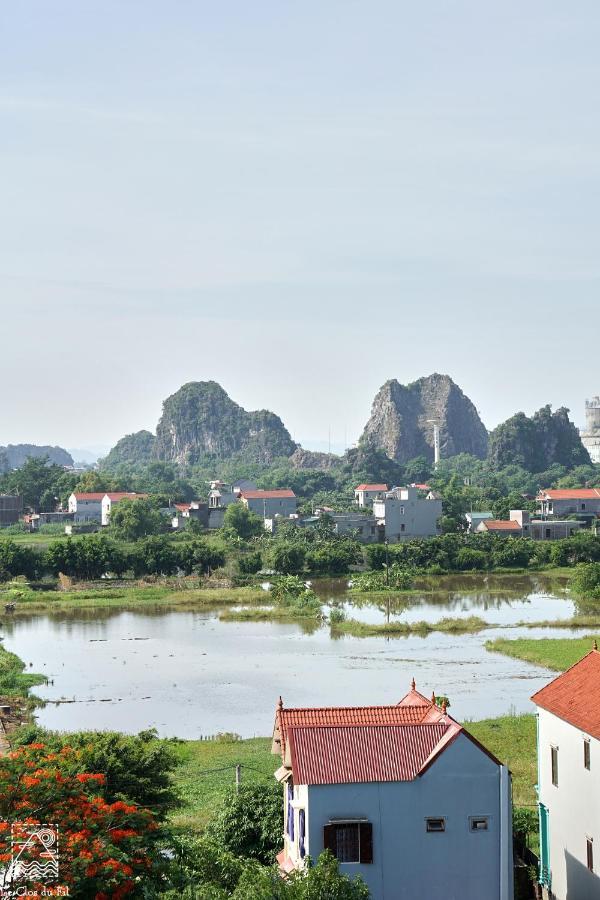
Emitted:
<point x="188" y="674"/>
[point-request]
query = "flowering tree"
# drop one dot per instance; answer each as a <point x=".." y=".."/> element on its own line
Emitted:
<point x="104" y="848"/>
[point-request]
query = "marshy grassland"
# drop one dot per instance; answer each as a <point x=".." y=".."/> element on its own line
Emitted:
<point x="551" y="653"/>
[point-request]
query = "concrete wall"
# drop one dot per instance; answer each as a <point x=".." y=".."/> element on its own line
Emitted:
<point x="558" y="508"/>
<point x="270" y="507"/>
<point x="574" y="807"/>
<point x="85" y="510"/>
<point x="409" y="863"/>
<point x="365" y="498"/>
<point x="406" y="515"/>
<point x="11" y="508"/>
<point x="363" y="528"/>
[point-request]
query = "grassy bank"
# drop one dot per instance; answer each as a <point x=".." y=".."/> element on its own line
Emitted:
<point x="129" y="598"/>
<point x="14" y="680"/>
<point x="552" y="653"/>
<point x="402" y="629"/>
<point x="206" y="773"/>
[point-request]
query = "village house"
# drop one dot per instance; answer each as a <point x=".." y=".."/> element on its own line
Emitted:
<point x="111" y="500"/>
<point x="11" y="507"/>
<point x="364" y="494"/>
<point x="86" y="506"/>
<point x="569" y="781"/>
<point x="402" y="795"/>
<point x="268" y="504"/>
<point x="501" y="527"/>
<point x="356" y="525"/>
<point x="221" y="495"/>
<point x="475" y="518"/>
<point x="404" y="513"/>
<point x="581" y="502"/>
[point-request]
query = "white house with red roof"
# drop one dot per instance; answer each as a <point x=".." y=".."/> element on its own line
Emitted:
<point x="96" y="506"/>
<point x="364" y="494"/>
<point x="569" y="781"/>
<point x="402" y="795"/>
<point x="582" y="502"/>
<point x="268" y="504"/>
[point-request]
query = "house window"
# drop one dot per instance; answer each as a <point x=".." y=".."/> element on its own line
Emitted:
<point x="349" y="842"/>
<point x="434" y="824"/>
<point x="403" y="527"/>
<point x="302" y="833"/>
<point x="401" y="510"/>
<point x="478" y="823"/>
<point x="590" y="854"/>
<point x="554" y="765"/>
<point x="583" y="505"/>
<point x="586" y="753"/>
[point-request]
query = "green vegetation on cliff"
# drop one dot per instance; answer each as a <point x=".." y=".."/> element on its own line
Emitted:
<point x="537" y="443"/>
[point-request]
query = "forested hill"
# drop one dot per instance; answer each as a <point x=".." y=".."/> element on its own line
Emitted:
<point x="14" y="456"/>
<point x="537" y="443"/>
<point x="200" y="420"/>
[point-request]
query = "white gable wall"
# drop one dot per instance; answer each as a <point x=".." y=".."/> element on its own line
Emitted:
<point x="574" y="807"/>
<point x="408" y="862"/>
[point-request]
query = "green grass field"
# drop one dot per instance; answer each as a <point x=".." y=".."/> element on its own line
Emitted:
<point x="207" y="770"/>
<point x="552" y="653"/>
<point x="207" y="774"/>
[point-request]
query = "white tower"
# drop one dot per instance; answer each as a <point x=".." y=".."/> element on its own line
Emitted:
<point x="590" y="438"/>
<point x="436" y="441"/>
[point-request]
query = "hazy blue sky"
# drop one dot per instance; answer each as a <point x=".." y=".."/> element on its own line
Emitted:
<point x="298" y="200"/>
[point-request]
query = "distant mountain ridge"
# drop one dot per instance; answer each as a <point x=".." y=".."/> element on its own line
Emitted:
<point x="13" y="456"/>
<point x="201" y="423"/>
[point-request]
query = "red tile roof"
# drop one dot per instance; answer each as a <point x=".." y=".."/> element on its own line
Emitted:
<point x="90" y="496"/>
<point x="421" y="487"/>
<point x="369" y="753"/>
<point x="571" y="494"/>
<point x="114" y="495"/>
<point x="500" y="525"/>
<point x="371" y="487"/>
<point x="267" y="495"/>
<point x="575" y="695"/>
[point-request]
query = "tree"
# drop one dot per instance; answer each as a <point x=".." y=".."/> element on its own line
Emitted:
<point x="16" y="559"/>
<point x="249" y="822"/>
<point x="135" y="768"/>
<point x="242" y="522"/>
<point x="134" y="518"/>
<point x="104" y="847"/>
<point x="35" y="479"/>
<point x="286" y="557"/>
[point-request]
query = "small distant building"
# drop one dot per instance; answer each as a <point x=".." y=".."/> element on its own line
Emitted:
<point x="581" y="502"/>
<point x="401" y="795"/>
<point x="568" y="736"/>
<point x="545" y="529"/>
<point x="501" y="527"/>
<point x="195" y="510"/>
<point x="365" y="494"/>
<point x="268" y="504"/>
<point x="475" y="518"/>
<point x="590" y="437"/>
<point x="109" y="501"/>
<point x="221" y="495"/>
<point x="363" y="528"/>
<point x="11" y="509"/>
<point x="404" y="513"/>
<point x="36" y="520"/>
<point x="86" y="507"/>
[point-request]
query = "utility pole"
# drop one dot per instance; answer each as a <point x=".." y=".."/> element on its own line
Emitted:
<point x="238" y="777"/>
<point x="436" y="441"/>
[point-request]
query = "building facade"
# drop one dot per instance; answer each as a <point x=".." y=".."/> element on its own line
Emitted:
<point x="569" y="782"/>
<point x="268" y="504"/>
<point x="404" y="513"/>
<point x="109" y="501"/>
<point x="365" y="494"/>
<point x="11" y="508"/>
<point x="401" y="795"/>
<point x="86" y="507"/>
<point x="581" y="502"/>
<point x="590" y="437"/>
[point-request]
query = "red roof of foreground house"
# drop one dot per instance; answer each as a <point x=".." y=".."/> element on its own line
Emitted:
<point x="371" y="487"/>
<point x="572" y="494"/>
<point x="336" y="745"/>
<point x="267" y="495"/>
<point x="575" y="695"/>
<point x="500" y="525"/>
<point x="370" y="753"/>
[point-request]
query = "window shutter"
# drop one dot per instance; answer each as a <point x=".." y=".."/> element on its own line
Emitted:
<point x="366" y="842"/>
<point x="329" y="842"/>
